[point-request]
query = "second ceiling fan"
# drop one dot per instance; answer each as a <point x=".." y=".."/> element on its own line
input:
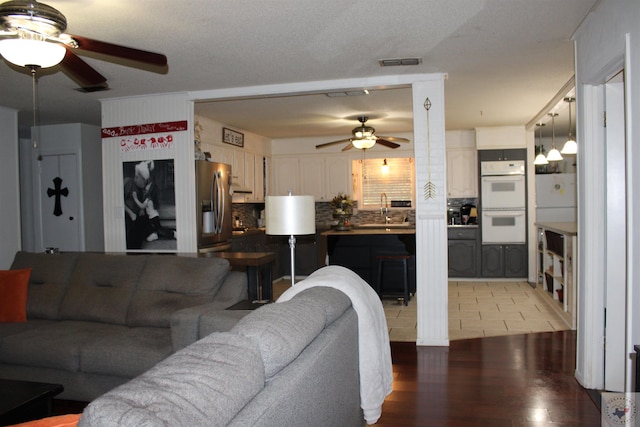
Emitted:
<point x="364" y="137"/>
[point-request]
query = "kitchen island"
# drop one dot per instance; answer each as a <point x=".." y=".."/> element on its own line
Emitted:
<point x="357" y="248"/>
<point x="557" y="244"/>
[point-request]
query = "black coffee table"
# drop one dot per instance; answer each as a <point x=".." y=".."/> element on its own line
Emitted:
<point x="22" y="401"/>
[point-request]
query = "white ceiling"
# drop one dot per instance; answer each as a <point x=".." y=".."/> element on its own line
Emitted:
<point x="505" y="59"/>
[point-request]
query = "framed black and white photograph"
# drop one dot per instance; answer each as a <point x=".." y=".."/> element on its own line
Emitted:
<point x="150" y="205"/>
<point x="232" y="137"/>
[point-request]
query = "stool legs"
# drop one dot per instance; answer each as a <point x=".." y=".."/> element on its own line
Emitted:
<point x="406" y="281"/>
<point x="405" y="276"/>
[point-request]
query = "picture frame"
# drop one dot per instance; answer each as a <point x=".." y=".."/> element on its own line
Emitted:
<point x="230" y="136"/>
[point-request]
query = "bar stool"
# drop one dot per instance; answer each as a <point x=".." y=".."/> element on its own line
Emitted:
<point x="381" y="259"/>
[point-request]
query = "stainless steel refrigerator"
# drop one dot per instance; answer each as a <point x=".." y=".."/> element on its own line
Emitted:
<point x="213" y="210"/>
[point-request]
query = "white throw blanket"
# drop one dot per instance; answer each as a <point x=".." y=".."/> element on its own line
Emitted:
<point x="376" y="375"/>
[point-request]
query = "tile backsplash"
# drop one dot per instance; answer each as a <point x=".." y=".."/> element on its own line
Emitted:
<point x="249" y="213"/>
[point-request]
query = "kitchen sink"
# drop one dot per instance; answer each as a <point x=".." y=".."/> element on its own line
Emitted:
<point x="396" y="225"/>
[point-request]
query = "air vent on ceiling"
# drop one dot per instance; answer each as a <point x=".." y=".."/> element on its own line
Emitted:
<point x="399" y="61"/>
<point x="359" y="92"/>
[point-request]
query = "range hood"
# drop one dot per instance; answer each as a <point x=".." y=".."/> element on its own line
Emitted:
<point x="239" y="188"/>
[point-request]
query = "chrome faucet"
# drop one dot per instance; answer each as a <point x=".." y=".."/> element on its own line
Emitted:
<point x="384" y="209"/>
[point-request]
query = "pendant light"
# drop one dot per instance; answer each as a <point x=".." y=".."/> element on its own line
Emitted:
<point x="540" y="158"/>
<point x="570" y="147"/>
<point x="385" y="167"/>
<point x="554" y="155"/>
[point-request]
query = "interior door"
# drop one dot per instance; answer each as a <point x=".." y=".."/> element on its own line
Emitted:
<point x="60" y="225"/>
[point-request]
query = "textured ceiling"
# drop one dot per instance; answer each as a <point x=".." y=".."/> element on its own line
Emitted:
<point x="505" y="59"/>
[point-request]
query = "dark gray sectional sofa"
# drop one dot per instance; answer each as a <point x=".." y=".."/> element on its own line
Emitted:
<point x="96" y="321"/>
<point x="294" y="363"/>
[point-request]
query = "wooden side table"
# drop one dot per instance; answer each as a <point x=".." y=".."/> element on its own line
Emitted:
<point x="259" y="276"/>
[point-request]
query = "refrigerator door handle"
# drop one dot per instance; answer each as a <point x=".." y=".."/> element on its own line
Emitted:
<point x="221" y="198"/>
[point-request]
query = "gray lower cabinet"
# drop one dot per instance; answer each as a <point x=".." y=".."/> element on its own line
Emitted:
<point x="463" y="252"/>
<point x="504" y="261"/>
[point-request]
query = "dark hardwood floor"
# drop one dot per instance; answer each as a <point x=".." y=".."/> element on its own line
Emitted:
<point x="516" y="380"/>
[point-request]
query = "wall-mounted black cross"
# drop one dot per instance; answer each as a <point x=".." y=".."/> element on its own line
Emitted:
<point x="57" y="191"/>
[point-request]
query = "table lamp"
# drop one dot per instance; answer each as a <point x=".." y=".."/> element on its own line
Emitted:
<point x="288" y="216"/>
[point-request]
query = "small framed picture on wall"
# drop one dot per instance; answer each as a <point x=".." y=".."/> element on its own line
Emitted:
<point x="232" y="137"/>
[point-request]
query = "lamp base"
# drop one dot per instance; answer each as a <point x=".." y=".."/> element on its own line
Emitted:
<point x="292" y="246"/>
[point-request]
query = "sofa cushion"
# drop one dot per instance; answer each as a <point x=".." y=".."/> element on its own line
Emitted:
<point x="282" y="331"/>
<point x="14" y="285"/>
<point x="101" y="287"/>
<point x="332" y="301"/>
<point x="125" y="352"/>
<point x="204" y="384"/>
<point x="50" y="274"/>
<point x="55" y="345"/>
<point x="171" y="283"/>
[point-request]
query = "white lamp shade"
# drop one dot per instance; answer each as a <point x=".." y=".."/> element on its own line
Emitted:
<point x="25" y="52"/>
<point x="554" y="155"/>
<point x="540" y="160"/>
<point x="289" y="215"/>
<point x="364" y="143"/>
<point x="570" y="147"/>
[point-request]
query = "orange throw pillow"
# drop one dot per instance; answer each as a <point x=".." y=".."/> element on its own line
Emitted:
<point x="14" y="287"/>
<point x="70" y="420"/>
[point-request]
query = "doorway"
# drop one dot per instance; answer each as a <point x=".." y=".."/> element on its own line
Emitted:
<point x="616" y="364"/>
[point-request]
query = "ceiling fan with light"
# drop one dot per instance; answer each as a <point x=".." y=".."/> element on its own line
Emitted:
<point x="364" y="137"/>
<point x="32" y="36"/>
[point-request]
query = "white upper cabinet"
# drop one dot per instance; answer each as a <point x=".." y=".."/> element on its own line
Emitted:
<point x="462" y="164"/>
<point x="462" y="173"/>
<point x="285" y="172"/>
<point x="317" y="176"/>
<point x="338" y="176"/>
<point x="312" y="177"/>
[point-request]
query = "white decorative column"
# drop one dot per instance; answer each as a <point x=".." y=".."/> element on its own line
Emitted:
<point x="431" y="201"/>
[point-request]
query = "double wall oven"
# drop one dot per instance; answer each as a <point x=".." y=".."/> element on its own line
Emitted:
<point x="503" y="191"/>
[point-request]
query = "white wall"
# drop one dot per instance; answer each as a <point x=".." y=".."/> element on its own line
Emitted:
<point x="607" y="41"/>
<point x="145" y="110"/>
<point x="9" y="189"/>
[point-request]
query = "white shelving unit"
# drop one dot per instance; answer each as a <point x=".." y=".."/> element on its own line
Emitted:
<point x="556" y="269"/>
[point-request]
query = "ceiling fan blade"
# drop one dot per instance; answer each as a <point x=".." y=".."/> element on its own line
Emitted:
<point x="88" y="78"/>
<point x="118" y="51"/>
<point x="394" y="138"/>
<point x="326" y="144"/>
<point x="387" y="143"/>
<point x="348" y="147"/>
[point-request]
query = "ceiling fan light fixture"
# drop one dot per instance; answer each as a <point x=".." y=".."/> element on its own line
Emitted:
<point x="363" y="132"/>
<point x="364" y="143"/>
<point x="27" y="52"/>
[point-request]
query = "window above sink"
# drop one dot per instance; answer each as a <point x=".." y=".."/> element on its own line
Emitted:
<point x="375" y="186"/>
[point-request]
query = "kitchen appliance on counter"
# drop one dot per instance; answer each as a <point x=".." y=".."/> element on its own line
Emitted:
<point x="503" y="191"/>
<point x="556" y="197"/>
<point x="213" y="210"/>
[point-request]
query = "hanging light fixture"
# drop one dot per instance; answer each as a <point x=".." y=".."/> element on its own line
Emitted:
<point x="571" y="146"/>
<point x="540" y="158"/>
<point x="26" y="52"/>
<point x="364" y="143"/>
<point x="385" y="167"/>
<point x="554" y="155"/>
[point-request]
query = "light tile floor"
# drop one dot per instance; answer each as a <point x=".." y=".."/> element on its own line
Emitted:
<point x="481" y="309"/>
<point x="476" y="309"/>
